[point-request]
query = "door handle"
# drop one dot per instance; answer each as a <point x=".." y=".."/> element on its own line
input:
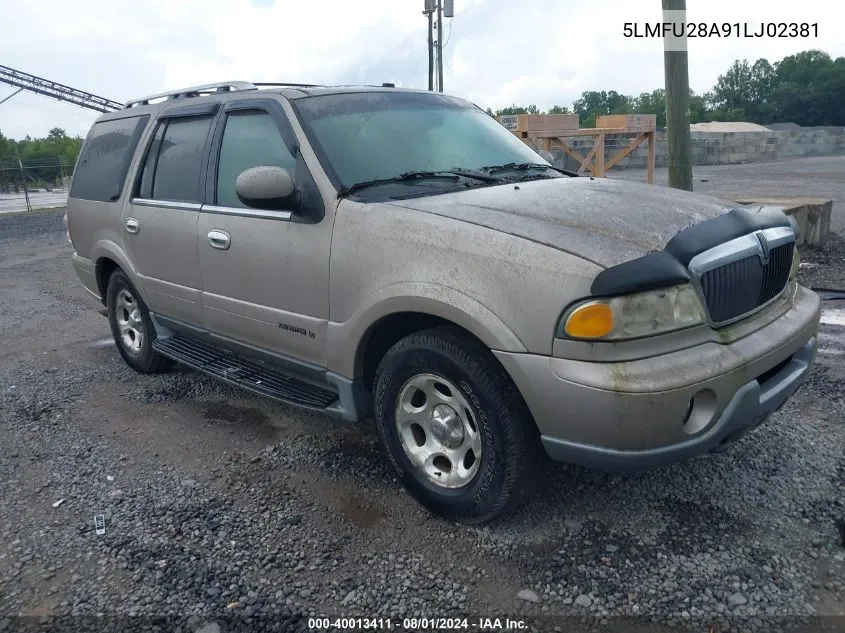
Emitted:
<point x="219" y="239"/>
<point x="132" y="225"/>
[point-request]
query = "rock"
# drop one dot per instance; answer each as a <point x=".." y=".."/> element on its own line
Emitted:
<point x="572" y="524"/>
<point x="189" y="483"/>
<point x="528" y="596"/>
<point x="610" y="549"/>
<point x="210" y="627"/>
<point x="737" y="600"/>
<point x="583" y="600"/>
<point x="349" y="597"/>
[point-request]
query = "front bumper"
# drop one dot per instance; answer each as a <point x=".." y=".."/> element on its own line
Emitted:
<point x="638" y="414"/>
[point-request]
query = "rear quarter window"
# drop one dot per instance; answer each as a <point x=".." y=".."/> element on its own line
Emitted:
<point x="104" y="163"/>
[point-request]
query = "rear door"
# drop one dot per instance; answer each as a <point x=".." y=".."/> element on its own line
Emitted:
<point x="265" y="274"/>
<point x="96" y="194"/>
<point x="160" y="221"/>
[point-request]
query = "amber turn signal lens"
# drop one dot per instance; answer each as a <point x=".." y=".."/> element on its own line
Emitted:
<point x="593" y="320"/>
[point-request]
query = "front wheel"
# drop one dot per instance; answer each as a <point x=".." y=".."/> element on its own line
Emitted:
<point x="454" y="427"/>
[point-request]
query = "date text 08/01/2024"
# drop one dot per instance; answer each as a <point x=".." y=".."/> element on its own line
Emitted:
<point x="416" y="624"/>
<point x="723" y="30"/>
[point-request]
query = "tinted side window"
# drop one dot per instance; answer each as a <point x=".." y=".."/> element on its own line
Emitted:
<point x="146" y="188"/>
<point x="180" y="158"/>
<point x="250" y="139"/>
<point x="104" y="162"/>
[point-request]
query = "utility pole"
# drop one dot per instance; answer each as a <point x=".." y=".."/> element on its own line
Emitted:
<point x="676" y="68"/>
<point x="428" y="12"/>
<point x="440" y="45"/>
<point x="430" y="50"/>
<point x="23" y="180"/>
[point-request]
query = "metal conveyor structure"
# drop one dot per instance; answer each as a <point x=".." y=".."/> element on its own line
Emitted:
<point x="53" y="89"/>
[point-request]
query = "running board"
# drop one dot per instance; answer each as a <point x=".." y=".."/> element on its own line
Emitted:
<point x="244" y="373"/>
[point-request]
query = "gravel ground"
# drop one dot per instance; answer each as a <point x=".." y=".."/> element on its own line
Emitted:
<point x="823" y="267"/>
<point x="225" y="511"/>
<point x="814" y="177"/>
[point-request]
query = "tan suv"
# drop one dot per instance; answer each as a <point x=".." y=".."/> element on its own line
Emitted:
<point x="372" y="251"/>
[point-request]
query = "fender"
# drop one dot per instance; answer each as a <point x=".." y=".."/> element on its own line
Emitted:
<point x="111" y="250"/>
<point x="345" y="340"/>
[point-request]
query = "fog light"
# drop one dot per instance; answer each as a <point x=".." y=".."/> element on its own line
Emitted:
<point x="701" y="411"/>
<point x="688" y="411"/>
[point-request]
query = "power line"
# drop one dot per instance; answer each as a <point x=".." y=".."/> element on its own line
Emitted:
<point x="449" y="36"/>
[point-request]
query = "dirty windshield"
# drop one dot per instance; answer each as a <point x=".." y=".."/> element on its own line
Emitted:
<point x="376" y="136"/>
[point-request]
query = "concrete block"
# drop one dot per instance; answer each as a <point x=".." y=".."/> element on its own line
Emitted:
<point x="812" y="214"/>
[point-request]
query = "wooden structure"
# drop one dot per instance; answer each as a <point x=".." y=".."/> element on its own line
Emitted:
<point x="524" y="124"/>
<point x="545" y="131"/>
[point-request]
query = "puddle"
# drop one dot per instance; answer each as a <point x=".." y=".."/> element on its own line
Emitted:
<point x="226" y="414"/>
<point x="359" y="512"/>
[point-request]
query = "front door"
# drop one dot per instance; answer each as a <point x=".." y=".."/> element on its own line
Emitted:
<point x="265" y="274"/>
<point x="160" y="220"/>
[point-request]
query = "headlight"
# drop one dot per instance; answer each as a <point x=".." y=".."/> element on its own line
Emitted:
<point x="633" y="316"/>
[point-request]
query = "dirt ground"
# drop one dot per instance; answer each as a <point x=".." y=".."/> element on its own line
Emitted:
<point x="814" y="177"/>
<point x="224" y="507"/>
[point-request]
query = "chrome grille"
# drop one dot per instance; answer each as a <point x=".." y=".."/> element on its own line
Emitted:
<point x="741" y="286"/>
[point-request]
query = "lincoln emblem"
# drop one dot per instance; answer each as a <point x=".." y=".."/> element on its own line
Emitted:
<point x="764" y="247"/>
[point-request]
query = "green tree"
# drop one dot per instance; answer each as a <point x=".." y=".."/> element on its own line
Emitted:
<point x="809" y="89"/>
<point x="593" y="103"/>
<point x="559" y="110"/>
<point x="44" y="159"/>
<point x="697" y="109"/>
<point x="746" y="87"/>
<point x="515" y="109"/>
<point x="653" y="102"/>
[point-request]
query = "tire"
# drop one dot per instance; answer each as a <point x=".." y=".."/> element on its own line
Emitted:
<point x="131" y="326"/>
<point x="418" y="434"/>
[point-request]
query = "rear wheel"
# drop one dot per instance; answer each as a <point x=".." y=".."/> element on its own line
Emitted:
<point x="454" y="427"/>
<point x="131" y="326"/>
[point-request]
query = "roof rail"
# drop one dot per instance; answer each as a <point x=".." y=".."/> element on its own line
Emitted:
<point x="285" y="85"/>
<point x="193" y="91"/>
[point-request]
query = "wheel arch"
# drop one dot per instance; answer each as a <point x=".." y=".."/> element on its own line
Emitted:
<point x="390" y="320"/>
<point x="109" y="257"/>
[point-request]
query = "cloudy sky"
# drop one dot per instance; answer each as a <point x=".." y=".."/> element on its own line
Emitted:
<point x="498" y="52"/>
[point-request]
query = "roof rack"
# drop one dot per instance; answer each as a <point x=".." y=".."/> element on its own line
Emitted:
<point x="193" y="91"/>
<point x="286" y="85"/>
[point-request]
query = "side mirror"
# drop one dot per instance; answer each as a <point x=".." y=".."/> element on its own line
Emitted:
<point x="265" y="187"/>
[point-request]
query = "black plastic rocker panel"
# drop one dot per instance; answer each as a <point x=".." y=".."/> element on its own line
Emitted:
<point x="244" y="373"/>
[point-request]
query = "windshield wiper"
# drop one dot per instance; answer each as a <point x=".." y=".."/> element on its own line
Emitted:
<point x="454" y="175"/>
<point x="474" y="174"/>
<point x="526" y="167"/>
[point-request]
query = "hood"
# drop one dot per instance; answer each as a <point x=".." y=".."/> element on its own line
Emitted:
<point x="604" y="221"/>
